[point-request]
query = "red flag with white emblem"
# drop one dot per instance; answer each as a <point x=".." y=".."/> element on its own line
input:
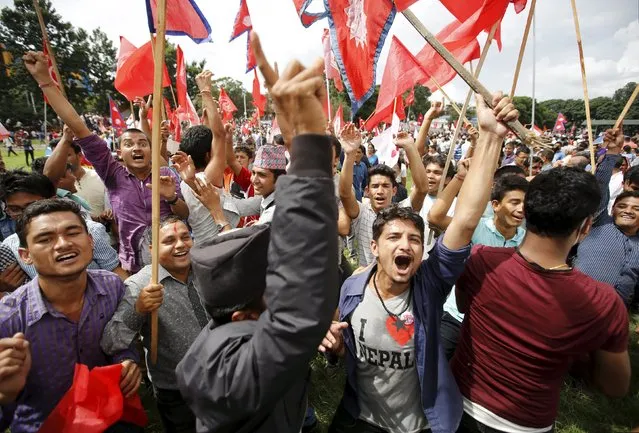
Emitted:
<point x="242" y="21"/>
<point x="226" y="105"/>
<point x="330" y="65"/>
<point x="358" y="30"/>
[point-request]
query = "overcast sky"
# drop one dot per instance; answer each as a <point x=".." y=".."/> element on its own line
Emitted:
<point x="610" y="33"/>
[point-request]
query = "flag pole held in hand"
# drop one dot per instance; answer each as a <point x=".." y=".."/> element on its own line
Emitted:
<point x="525" y="135"/>
<point x="631" y="100"/>
<point x="45" y="41"/>
<point x="158" y="56"/>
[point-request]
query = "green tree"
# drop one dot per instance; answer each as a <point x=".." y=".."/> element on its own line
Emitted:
<point x="236" y="92"/>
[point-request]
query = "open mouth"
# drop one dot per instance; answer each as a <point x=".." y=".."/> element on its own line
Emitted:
<point x="403" y="262"/>
<point x="66" y="257"/>
<point x="180" y="254"/>
<point x="138" y="157"/>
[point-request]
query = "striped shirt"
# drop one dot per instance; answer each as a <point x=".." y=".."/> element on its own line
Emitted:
<point x="607" y="254"/>
<point x="104" y="256"/>
<point x="57" y="344"/>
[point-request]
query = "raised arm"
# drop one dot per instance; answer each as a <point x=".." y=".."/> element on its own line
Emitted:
<point x="143" y="112"/>
<point x="231" y="160"/>
<point x="433" y="113"/>
<point x="351" y="140"/>
<point x="417" y="170"/>
<point x="475" y="191"/>
<point x="301" y="281"/>
<point x="438" y="214"/>
<point x="56" y="166"/>
<point x="214" y="170"/>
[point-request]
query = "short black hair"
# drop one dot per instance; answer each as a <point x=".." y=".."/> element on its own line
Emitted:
<point x="382" y="170"/>
<point x="75" y="146"/>
<point x="196" y="142"/>
<point x="131" y="130"/>
<point x="506" y="184"/>
<point x="441" y="161"/>
<point x="15" y="181"/>
<point x="224" y="315"/>
<point x="626" y="194"/>
<point x="632" y="175"/>
<point x="279" y="139"/>
<point x="537" y="160"/>
<point x="559" y="200"/>
<point x="336" y="144"/>
<point x="509" y="170"/>
<point x="277" y="174"/>
<point x="44" y="207"/>
<point x="37" y="165"/>
<point x="547" y="153"/>
<point x="522" y="149"/>
<point x="620" y="162"/>
<point x="395" y="212"/>
<point x="245" y="149"/>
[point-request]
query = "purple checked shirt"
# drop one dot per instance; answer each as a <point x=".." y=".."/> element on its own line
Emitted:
<point x="57" y="344"/>
<point x="130" y="198"/>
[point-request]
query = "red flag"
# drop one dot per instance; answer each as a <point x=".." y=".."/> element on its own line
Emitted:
<point x="410" y="99"/>
<point x="560" y="123"/>
<point x="402" y="5"/>
<point x="307" y="18"/>
<point x="183" y="17"/>
<point x="188" y="112"/>
<point x="134" y="75"/>
<point x="358" y="31"/>
<point x="180" y="78"/>
<point x="338" y="120"/>
<point x="117" y="121"/>
<point x="330" y="65"/>
<point x="401" y="73"/>
<point x="226" y="105"/>
<point x="386" y="114"/>
<point x="242" y="21"/>
<point x="259" y="100"/>
<point x="251" y="62"/>
<point x="167" y="108"/>
<point x="436" y="66"/>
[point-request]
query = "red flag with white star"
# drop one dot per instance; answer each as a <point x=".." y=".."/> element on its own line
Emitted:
<point x="242" y="21"/>
<point x="358" y="31"/>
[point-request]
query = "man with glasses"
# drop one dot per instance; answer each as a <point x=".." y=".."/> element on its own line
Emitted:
<point x="19" y="189"/>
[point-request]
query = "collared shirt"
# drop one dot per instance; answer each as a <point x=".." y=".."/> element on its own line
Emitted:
<point x="362" y="228"/>
<point x="485" y="234"/>
<point x="202" y="224"/>
<point x="63" y="193"/>
<point x="508" y="160"/>
<point x="441" y="400"/>
<point x="181" y="317"/>
<point x="104" y="256"/>
<point x="57" y="344"/>
<point x="130" y="198"/>
<point x="607" y="254"/>
<point x="258" y="205"/>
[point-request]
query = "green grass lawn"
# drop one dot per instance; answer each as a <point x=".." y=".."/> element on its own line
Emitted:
<point x="12" y="162"/>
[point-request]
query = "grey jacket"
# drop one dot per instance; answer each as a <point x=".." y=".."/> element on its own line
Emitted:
<point x="252" y="376"/>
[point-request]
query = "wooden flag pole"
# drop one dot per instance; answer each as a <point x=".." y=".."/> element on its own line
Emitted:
<point x="45" y="40"/>
<point x="522" y="48"/>
<point x="462" y="115"/>
<point x="584" y="83"/>
<point x="328" y="102"/>
<point x="627" y="107"/>
<point x="525" y="135"/>
<point x="153" y="44"/>
<point x="156" y="144"/>
<point x="452" y="103"/>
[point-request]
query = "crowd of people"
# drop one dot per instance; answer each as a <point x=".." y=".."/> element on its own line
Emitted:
<point x="466" y="308"/>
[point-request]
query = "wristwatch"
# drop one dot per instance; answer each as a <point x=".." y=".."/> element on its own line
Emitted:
<point x="173" y="200"/>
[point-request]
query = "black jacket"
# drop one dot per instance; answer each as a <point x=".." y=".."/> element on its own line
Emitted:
<point x="251" y="376"/>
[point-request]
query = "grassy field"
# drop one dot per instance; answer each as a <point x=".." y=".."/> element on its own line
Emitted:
<point x="12" y="162"/>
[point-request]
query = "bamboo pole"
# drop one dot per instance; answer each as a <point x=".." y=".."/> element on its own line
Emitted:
<point x="156" y="143"/>
<point x="584" y="83"/>
<point x="161" y="102"/>
<point x="514" y="125"/>
<point x="45" y="40"/>
<point x="627" y="107"/>
<point x="522" y="48"/>
<point x="462" y="115"/>
<point x="452" y="103"/>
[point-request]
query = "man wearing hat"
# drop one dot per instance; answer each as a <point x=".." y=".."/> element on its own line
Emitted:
<point x="248" y="369"/>
<point x="269" y="164"/>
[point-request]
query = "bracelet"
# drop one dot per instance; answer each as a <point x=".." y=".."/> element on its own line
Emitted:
<point x="205" y="91"/>
<point x="173" y="201"/>
<point x="49" y="84"/>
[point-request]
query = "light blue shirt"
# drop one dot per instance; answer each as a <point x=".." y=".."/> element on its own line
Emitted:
<point x="485" y="234"/>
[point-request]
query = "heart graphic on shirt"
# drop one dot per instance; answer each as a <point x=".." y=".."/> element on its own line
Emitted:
<point x="400" y="330"/>
<point x="393" y="153"/>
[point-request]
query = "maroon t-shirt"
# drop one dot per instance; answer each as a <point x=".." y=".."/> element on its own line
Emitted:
<point x="524" y="328"/>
